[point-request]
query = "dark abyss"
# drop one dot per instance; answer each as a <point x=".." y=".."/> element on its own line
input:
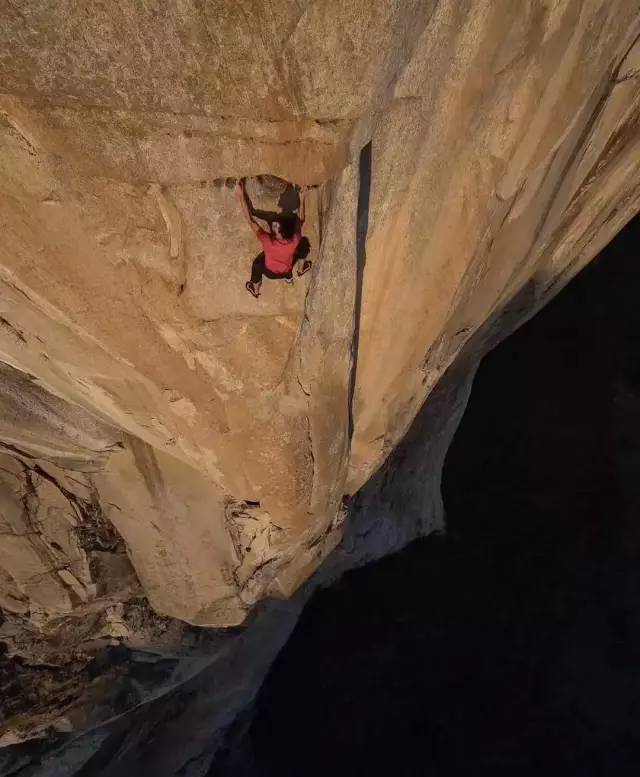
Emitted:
<point x="510" y="646"/>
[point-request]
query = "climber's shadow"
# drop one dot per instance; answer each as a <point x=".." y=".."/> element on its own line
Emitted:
<point x="288" y="202"/>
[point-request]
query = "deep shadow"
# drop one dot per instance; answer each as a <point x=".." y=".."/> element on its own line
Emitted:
<point x="511" y="645"/>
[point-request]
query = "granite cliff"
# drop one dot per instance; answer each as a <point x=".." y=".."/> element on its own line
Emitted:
<point x="178" y="458"/>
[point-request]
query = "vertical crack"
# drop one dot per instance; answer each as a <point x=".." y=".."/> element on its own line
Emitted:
<point x="362" y="227"/>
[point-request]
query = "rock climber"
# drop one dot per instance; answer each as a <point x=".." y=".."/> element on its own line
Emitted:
<point x="283" y="245"/>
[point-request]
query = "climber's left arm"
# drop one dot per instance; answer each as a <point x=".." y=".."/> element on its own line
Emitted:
<point x="244" y="205"/>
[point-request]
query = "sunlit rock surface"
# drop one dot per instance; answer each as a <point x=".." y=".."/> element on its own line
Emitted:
<point x="175" y="452"/>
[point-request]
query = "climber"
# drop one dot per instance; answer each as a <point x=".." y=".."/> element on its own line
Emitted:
<point x="283" y="246"/>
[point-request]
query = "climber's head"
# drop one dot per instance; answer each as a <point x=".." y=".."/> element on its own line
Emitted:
<point x="284" y="227"/>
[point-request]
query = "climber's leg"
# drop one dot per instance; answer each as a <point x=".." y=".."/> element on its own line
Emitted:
<point x="258" y="269"/>
<point x="302" y="251"/>
<point x="252" y="288"/>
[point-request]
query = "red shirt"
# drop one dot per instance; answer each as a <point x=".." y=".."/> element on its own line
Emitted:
<point x="278" y="254"/>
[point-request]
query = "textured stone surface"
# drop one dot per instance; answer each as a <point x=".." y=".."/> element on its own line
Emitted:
<point x="172" y="446"/>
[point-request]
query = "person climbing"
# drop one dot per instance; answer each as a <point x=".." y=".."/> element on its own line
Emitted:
<point x="283" y="246"/>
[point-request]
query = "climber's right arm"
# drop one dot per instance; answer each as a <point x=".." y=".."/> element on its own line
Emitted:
<point x="244" y="205"/>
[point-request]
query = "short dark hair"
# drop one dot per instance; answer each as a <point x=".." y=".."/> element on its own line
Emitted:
<point x="287" y="226"/>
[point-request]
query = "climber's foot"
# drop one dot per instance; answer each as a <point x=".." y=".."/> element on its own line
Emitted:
<point x="306" y="266"/>
<point x="289" y="281"/>
<point x="253" y="288"/>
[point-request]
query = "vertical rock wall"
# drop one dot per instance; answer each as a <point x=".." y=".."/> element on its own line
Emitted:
<point x="172" y="444"/>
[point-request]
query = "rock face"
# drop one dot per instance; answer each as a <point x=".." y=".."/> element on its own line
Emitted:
<point x="175" y="451"/>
